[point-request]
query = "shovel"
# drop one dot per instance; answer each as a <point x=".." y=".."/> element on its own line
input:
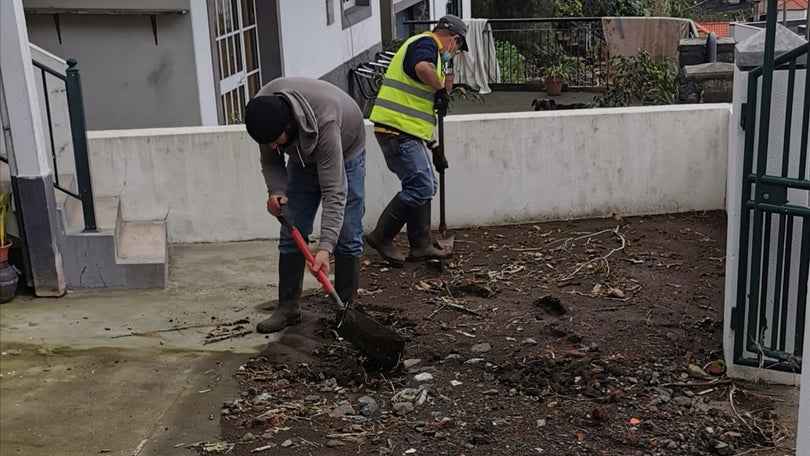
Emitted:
<point x="443" y="241"/>
<point x="381" y="345"/>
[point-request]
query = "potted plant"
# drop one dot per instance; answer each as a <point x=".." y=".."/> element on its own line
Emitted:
<point x="555" y="75"/>
<point x="8" y="276"/>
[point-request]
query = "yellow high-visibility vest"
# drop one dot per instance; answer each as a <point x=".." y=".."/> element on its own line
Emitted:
<point x="404" y="103"/>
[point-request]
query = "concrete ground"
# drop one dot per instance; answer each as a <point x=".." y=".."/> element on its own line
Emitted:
<point x="515" y="101"/>
<point x="105" y="372"/>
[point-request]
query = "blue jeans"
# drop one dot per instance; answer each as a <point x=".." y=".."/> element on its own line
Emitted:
<point x="304" y="197"/>
<point x="410" y="160"/>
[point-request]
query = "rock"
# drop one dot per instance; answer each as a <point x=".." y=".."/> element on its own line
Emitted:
<point x="481" y="348"/>
<point x="409" y="363"/>
<point x="616" y="293"/>
<point x="287" y="443"/>
<point x="344" y="408"/>
<point x="268" y="435"/>
<point x="541" y="422"/>
<point x="723" y="448"/>
<point x="335" y="443"/>
<point x="248" y="437"/>
<point x="456" y="383"/>
<point x="403" y="408"/>
<point x="446" y="423"/>
<point x="368" y="406"/>
<point x="423" y="377"/>
<point x="528" y="341"/>
<point x="599" y="414"/>
<point x="259" y="421"/>
<point x="696" y="371"/>
<point x="682" y="401"/>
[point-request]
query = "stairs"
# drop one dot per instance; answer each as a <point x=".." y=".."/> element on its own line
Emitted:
<point x="121" y="254"/>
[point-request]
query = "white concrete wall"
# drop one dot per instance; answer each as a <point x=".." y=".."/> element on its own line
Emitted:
<point x="127" y="80"/>
<point x="311" y="48"/>
<point x="57" y="104"/>
<point x="734" y="190"/>
<point x="515" y="167"/>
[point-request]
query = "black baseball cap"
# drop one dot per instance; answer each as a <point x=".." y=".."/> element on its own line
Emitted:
<point x="455" y="26"/>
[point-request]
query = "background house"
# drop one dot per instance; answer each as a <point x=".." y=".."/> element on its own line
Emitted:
<point x="171" y="63"/>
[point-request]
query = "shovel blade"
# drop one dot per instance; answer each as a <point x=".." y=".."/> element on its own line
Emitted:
<point x="381" y="345"/>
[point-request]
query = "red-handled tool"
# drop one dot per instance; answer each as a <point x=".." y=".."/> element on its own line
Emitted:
<point x="321" y="276"/>
<point x="382" y="345"/>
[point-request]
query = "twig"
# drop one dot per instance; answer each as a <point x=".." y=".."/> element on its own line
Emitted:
<point x="573" y="273"/>
<point x="243" y="332"/>
<point x="176" y="328"/>
<point x="438" y="309"/>
<point x="698" y="385"/>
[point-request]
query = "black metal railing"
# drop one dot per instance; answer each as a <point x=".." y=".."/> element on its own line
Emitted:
<point x="78" y="129"/>
<point x="527" y="47"/>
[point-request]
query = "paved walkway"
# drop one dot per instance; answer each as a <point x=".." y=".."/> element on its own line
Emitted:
<point x="103" y="370"/>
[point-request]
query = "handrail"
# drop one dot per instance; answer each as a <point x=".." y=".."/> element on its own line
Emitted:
<point x="78" y="129"/>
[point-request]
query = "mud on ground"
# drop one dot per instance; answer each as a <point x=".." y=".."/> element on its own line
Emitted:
<point x="597" y="336"/>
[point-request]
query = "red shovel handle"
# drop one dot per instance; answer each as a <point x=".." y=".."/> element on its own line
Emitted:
<point x="302" y="246"/>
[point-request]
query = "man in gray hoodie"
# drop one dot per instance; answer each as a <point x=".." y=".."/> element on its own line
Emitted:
<point x="319" y="130"/>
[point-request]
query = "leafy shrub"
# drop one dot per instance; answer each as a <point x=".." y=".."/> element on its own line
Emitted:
<point x="639" y="79"/>
<point x="512" y="63"/>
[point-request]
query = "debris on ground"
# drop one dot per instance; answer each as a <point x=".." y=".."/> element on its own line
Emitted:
<point x="559" y="338"/>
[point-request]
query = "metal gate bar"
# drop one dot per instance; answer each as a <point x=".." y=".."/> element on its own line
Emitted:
<point x="766" y="213"/>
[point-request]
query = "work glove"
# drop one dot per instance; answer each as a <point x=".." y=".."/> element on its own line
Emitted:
<point x="439" y="159"/>
<point x="441" y="100"/>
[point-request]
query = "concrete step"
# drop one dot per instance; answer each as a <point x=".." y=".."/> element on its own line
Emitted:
<point x="141" y="242"/>
<point x="106" y="209"/>
<point x="121" y="254"/>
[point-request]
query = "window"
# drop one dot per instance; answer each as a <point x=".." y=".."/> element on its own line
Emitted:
<point x="238" y="54"/>
<point x="354" y="11"/>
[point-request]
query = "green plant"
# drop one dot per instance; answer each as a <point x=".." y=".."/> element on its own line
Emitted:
<point x="512" y="63"/>
<point x="639" y="80"/>
<point x="559" y="70"/>
<point x="462" y="92"/>
<point x="5" y="205"/>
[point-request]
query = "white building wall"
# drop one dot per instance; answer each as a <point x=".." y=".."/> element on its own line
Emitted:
<point x="529" y="166"/>
<point x="128" y="81"/>
<point x="311" y="48"/>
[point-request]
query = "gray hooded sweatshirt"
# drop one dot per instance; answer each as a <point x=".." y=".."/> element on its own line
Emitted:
<point x="330" y="132"/>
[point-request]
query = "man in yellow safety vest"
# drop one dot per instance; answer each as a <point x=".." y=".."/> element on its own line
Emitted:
<point x="404" y="117"/>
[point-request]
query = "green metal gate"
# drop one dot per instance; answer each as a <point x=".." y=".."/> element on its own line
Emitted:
<point x="774" y="257"/>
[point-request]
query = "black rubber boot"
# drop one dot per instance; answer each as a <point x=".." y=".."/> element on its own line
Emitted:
<point x="391" y="221"/>
<point x="419" y="236"/>
<point x="290" y="284"/>
<point x="347" y="273"/>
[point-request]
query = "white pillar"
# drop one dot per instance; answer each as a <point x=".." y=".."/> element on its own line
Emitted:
<point x="204" y="63"/>
<point x="24" y="142"/>
<point x="803" y="429"/>
<point x="19" y="92"/>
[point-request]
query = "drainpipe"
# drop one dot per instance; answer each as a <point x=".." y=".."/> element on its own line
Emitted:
<point x="711" y="47"/>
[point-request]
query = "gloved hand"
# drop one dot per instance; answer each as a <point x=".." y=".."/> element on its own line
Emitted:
<point x="439" y="160"/>
<point x="441" y="100"/>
